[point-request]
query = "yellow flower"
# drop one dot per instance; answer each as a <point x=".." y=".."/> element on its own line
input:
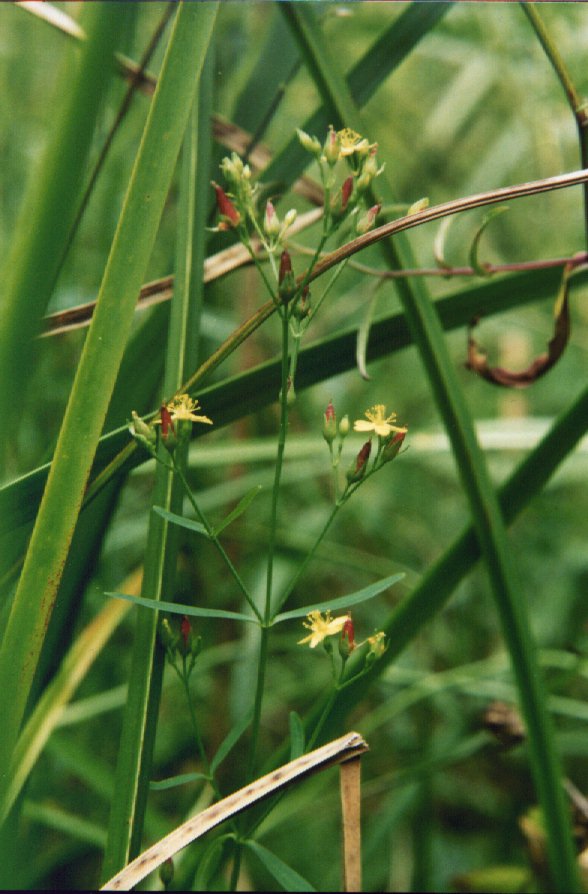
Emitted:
<point x="377" y="645"/>
<point x="322" y="627"/>
<point x="378" y="422"/>
<point x="183" y="407"/>
<point x="351" y="142"/>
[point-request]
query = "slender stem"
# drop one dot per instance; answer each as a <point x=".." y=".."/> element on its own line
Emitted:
<point x="215" y="540"/>
<point x="259" y="688"/>
<point x="339" y="270"/>
<point x="263" y="646"/>
<point x="184" y="677"/>
<point x="444" y="209"/>
<point x="303" y="566"/>
<point x="321" y="721"/>
<point x="575" y="101"/>
<point x="278" y="470"/>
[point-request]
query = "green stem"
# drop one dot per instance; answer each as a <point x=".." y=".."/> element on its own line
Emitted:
<point x="308" y="558"/>
<point x="195" y="725"/>
<point x="259" y="688"/>
<point x="214" y="539"/>
<point x="575" y="101"/>
<point x="278" y="470"/>
<point x="263" y="646"/>
<point x="337" y="273"/>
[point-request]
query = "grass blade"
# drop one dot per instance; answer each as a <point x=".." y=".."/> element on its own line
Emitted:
<point x="288" y="878"/>
<point x="343" y="601"/>
<point x="176" y="608"/>
<point x="51" y="199"/>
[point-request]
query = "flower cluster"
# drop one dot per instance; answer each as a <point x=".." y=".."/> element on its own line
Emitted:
<point x="238" y="210"/>
<point x="344" y="200"/>
<point x="323" y="627"/>
<point x="175" y="422"/>
<point x="182" y="647"/>
<point x="390" y="439"/>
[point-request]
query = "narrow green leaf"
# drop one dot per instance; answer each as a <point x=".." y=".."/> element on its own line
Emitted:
<point x="287" y="877"/>
<point x="56" y="183"/>
<point x="480" y="268"/>
<point x="230" y="741"/>
<point x="297" y="735"/>
<point x="59" y="820"/>
<point x="161" y="785"/>
<point x="189" y="523"/>
<point x="177" y="609"/>
<point x="343" y="601"/>
<point x="363" y="336"/>
<point x="239" y="509"/>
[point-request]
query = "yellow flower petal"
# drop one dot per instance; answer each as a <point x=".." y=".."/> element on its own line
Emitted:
<point x="321" y="627"/>
<point x="378" y="422"/>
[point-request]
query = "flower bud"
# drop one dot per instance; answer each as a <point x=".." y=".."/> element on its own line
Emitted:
<point x="271" y="221"/>
<point x="168" y="432"/>
<point x="301" y="310"/>
<point x="142" y="432"/>
<point x="356" y="470"/>
<point x="371" y="167"/>
<point x="392" y="446"/>
<point x="188" y="644"/>
<point x="340" y="200"/>
<point x="366" y="223"/>
<point x="417" y="206"/>
<point x="332" y="148"/>
<point x="311" y="144"/>
<point x="330" y="424"/>
<point x="347" y="641"/>
<point x="233" y="168"/>
<point x="377" y="647"/>
<point x="346" y="191"/>
<point x="344" y="427"/>
<point x="286" y="278"/>
<point x="289" y="219"/>
<point x="230" y="217"/>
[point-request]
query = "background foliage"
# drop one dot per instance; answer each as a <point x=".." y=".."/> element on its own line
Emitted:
<point x="474" y="106"/>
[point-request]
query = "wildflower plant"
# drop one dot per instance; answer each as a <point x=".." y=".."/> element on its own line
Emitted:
<point x="347" y="165"/>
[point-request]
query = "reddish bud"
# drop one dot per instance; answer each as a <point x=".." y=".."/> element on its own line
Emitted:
<point x="166" y="421"/>
<point x="185" y="629"/>
<point x="348" y="633"/>
<point x="365" y="223"/>
<point x="286" y="278"/>
<point x="330" y="424"/>
<point x="346" y="191"/>
<point x="285" y="265"/>
<point x="357" y="469"/>
<point x="271" y="221"/>
<point x="226" y="208"/>
<point x="392" y="446"/>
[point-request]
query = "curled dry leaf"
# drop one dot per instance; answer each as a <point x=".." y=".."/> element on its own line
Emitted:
<point x="477" y="359"/>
